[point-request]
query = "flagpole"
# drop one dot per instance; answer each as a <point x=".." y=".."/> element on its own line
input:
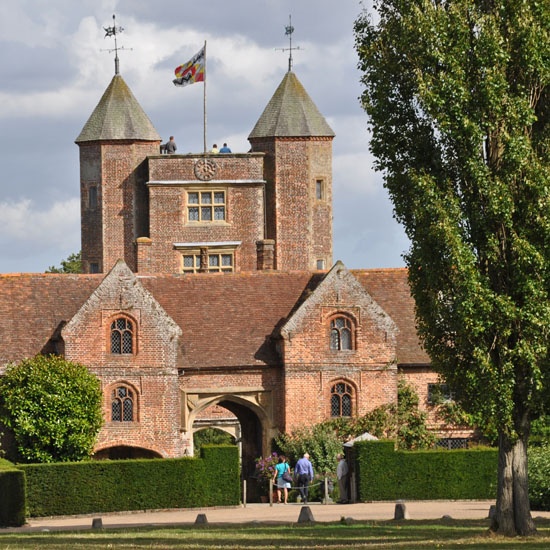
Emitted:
<point x="204" y="99"/>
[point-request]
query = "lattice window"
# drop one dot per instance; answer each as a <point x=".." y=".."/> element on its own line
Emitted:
<point x="122" y="405"/>
<point x="206" y="206"/>
<point x="341" y="334"/>
<point x="341" y="398"/>
<point x="122" y="336"/>
<point x="217" y="261"/>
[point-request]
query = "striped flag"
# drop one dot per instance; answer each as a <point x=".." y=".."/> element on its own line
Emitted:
<point x="192" y="71"/>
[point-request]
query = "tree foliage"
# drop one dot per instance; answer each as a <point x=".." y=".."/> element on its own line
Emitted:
<point x="457" y="93"/>
<point x="73" y="264"/>
<point x="53" y="408"/>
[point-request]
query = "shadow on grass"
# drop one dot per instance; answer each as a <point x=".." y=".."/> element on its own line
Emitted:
<point x="390" y="534"/>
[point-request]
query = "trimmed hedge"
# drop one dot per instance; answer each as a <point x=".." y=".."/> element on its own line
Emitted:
<point x="12" y="495"/>
<point x="124" y="485"/>
<point x="386" y="474"/>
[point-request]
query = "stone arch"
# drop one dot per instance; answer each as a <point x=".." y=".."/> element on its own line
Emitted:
<point x="254" y="411"/>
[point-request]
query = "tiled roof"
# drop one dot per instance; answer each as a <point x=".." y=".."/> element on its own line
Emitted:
<point x="33" y="307"/>
<point x="390" y="289"/>
<point x="226" y="319"/>
<point x="291" y="113"/>
<point x="118" y="115"/>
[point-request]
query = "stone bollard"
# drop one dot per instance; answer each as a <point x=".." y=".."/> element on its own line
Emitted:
<point x="97" y="523"/>
<point x="401" y="511"/>
<point x="305" y="515"/>
<point x="201" y="519"/>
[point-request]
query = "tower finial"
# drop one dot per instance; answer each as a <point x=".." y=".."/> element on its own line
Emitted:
<point x="113" y="31"/>
<point x="289" y="29"/>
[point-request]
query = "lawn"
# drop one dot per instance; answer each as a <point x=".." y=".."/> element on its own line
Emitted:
<point x="427" y="534"/>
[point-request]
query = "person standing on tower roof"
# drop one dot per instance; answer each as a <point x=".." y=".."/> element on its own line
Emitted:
<point x="170" y="146"/>
<point x="225" y="149"/>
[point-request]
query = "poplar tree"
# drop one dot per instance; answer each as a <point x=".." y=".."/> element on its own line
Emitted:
<point x="457" y="95"/>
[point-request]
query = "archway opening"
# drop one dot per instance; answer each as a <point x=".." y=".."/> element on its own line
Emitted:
<point x="240" y="420"/>
<point x="211" y="436"/>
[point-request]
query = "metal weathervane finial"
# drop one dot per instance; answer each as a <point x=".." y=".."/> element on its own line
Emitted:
<point x="113" y="31"/>
<point x="289" y="29"/>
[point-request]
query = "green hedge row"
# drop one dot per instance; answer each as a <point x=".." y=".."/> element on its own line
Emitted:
<point x="12" y="495"/>
<point x="386" y="474"/>
<point x="119" y="485"/>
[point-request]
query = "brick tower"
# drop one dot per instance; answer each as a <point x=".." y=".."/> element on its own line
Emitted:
<point x="114" y="143"/>
<point x="297" y="142"/>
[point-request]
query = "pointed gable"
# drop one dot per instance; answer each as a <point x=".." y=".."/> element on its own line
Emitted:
<point x="340" y="289"/>
<point x="291" y="113"/>
<point x="118" y="116"/>
<point x="122" y="294"/>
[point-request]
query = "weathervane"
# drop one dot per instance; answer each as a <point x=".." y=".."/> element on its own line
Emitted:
<point x="289" y="29"/>
<point x="113" y="31"/>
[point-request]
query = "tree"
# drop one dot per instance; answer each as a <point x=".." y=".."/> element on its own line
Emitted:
<point x="53" y="408"/>
<point x="457" y="96"/>
<point x="73" y="264"/>
<point x="458" y="101"/>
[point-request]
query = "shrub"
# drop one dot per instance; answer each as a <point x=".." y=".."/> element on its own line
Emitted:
<point x="53" y="408"/>
<point x="539" y="477"/>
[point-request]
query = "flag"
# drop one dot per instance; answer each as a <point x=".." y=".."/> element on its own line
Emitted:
<point x="192" y="71"/>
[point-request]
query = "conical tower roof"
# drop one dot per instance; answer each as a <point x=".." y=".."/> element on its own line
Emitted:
<point x="118" y="115"/>
<point x="291" y="113"/>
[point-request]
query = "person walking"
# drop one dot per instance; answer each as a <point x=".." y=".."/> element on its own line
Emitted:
<point x="342" y="474"/>
<point x="304" y="474"/>
<point x="279" y="480"/>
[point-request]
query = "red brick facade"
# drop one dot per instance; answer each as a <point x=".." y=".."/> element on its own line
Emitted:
<point x="275" y="340"/>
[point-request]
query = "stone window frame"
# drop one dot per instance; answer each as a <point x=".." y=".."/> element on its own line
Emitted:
<point x="350" y="326"/>
<point x="133" y="397"/>
<point x="93" y="197"/>
<point x="320" y="189"/>
<point x="133" y="331"/>
<point x="199" y="257"/>
<point x="200" y="205"/>
<point x="350" y="391"/>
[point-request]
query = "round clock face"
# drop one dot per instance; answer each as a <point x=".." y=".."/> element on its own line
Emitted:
<point x="205" y="169"/>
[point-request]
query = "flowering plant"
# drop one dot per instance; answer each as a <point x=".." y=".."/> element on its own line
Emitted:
<point x="265" y="468"/>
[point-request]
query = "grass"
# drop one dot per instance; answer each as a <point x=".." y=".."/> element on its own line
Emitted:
<point x="426" y="534"/>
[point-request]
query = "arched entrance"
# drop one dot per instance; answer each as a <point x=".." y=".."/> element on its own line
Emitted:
<point x="252" y="410"/>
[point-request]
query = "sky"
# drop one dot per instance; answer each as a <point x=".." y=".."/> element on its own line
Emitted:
<point x="55" y="65"/>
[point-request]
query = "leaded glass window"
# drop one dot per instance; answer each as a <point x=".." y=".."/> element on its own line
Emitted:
<point x="341" y="400"/>
<point x="122" y="405"/>
<point x="122" y="336"/>
<point x="206" y="206"/>
<point x="340" y="334"/>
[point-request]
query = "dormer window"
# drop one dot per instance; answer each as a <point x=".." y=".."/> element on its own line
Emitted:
<point x="341" y="334"/>
<point x="122" y="336"/>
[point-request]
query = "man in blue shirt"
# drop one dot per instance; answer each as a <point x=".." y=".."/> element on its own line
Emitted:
<point x="225" y="149"/>
<point x="304" y="474"/>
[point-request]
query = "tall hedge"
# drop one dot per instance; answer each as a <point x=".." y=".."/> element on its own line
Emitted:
<point x="124" y="485"/>
<point x="386" y="474"/>
<point x="12" y="495"/>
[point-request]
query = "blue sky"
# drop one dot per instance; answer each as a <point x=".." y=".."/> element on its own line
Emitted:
<point x="55" y="68"/>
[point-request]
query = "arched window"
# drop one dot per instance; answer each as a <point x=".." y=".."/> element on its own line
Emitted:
<point x="122" y="336"/>
<point x="341" y="334"/>
<point x="341" y="400"/>
<point x="122" y="405"/>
